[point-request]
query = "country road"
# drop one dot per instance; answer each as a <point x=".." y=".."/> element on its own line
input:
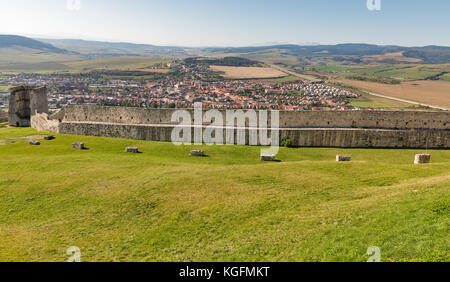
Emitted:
<point x="406" y="101"/>
<point x="294" y="73"/>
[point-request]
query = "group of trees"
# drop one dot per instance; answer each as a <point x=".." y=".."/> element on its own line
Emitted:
<point x="227" y="61"/>
<point x="384" y="80"/>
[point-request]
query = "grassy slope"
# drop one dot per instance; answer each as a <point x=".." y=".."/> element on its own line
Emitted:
<point x="163" y="205"/>
<point x="116" y="63"/>
<point x="29" y="56"/>
<point x="369" y="101"/>
<point x="29" y="60"/>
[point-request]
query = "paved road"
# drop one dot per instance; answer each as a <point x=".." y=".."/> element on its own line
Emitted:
<point x="407" y="101"/>
<point x="294" y="73"/>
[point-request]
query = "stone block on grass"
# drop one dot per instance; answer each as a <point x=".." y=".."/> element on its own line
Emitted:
<point x="134" y="150"/>
<point x="197" y="153"/>
<point x="268" y="158"/>
<point x="340" y="158"/>
<point x="78" y="146"/>
<point x="422" y="159"/>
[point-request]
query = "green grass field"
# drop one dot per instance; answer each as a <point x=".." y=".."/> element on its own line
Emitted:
<point x="446" y="77"/>
<point x="116" y="63"/>
<point x="408" y="72"/>
<point x="370" y="101"/>
<point x="163" y="205"/>
<point x="16" y="60"/>
<point x="289" y="78"/>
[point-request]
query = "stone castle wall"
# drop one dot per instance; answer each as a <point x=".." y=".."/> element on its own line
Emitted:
<point x="349" y="129"/>
<point x="288" y="119"/>
<point x="301" y="137"/>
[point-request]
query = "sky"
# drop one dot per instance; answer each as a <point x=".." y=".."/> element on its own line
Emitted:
<point x="232" y="22"/>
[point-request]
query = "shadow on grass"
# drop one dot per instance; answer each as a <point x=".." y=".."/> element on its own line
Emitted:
<point x="204" y="156"/>
<point x="274" y="161"/>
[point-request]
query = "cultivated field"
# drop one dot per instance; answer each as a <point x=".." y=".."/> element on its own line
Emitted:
<point x="41" y="62"/>
<point x="409" y="72"/>
<point x="163" y="205"/>
<point x="370" y="101"/>
<point x="24" y="59"/>
<point x="11" y="56"/>
<point x="430" y="92"/>
<point x="397" y="56"/>
<point x="249" y="72"/>
<point x="120" y="63"/>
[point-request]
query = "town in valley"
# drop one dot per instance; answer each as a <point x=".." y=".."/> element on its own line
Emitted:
<point x="182" y="91"/>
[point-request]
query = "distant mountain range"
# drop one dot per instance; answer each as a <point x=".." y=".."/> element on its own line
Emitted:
<point x="339" y="49"/>
<point x="428" y="54"/>
<point x="89" y="49"/>
<point x="338" y="53"/>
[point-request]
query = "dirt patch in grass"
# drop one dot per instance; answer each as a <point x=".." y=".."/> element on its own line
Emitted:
<point x="26" y="138"/>
<point x="33" y="137"/>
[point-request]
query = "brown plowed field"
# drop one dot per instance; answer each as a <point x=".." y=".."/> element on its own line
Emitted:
<point x="425" y="91"/>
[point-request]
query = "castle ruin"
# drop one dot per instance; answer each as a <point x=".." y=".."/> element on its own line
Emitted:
<point x="24" y="102"/>
<point x="343" y="129"/>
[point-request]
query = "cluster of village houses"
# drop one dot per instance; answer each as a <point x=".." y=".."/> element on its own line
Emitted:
<point x="183" y="93"/>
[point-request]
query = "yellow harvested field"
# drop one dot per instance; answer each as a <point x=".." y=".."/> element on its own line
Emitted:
<point x="397" y="56"/>
<point x="248" y="72"/>
<point x="424" y="91"/>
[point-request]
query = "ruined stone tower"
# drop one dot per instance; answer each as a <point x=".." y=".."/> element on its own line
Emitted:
<point x="24" y="102"/>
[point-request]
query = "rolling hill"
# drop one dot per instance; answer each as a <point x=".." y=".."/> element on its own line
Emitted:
<point x="14" y="41"/>
<point x="18" y="53"/>
<point x="99" y="49"/>
<point x="22" y="54"/>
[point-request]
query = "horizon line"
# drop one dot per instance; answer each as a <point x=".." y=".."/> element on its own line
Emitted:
<point x="269" y="44"/>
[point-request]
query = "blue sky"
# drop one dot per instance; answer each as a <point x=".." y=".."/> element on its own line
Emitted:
<point x="233" y="22"/>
